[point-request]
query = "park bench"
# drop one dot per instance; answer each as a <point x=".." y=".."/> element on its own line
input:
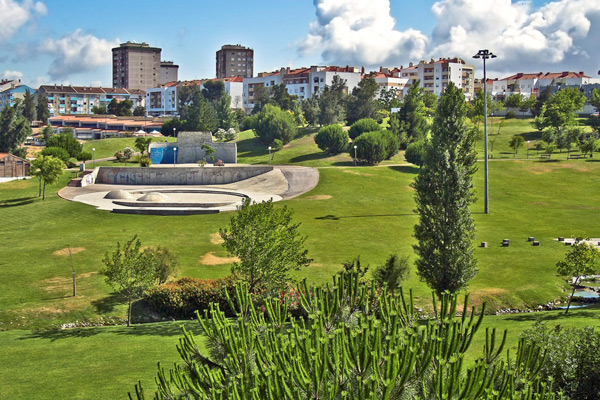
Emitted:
<point x="545" y="155"/>
<point x="576" y="156"/>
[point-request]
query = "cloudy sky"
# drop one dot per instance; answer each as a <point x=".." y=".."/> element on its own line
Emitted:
<point x="66" y="41"/>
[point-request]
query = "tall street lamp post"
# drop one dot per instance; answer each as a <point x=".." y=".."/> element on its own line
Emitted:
<point x="355" y="147"/>
<point x="484" y="55"/>
<point x="174" y="155"/>
<point x="269" y="154"/>
<point x="93" y="157"/>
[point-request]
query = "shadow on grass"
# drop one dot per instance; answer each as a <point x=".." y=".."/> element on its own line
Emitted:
<point x="531" y="136"/>
<point x="331" y="217"/>
<point x="406" y="169"/>
<point x="251" y="148"/>
<point x="310" y="157"/>
<point x="592" y="160"/>
<point x="152" y="329"/>
<point x="108" y="303"/>
<point x="591" y="312"/>
<point x="548" y="160"/>
<point x="17" y="202"/>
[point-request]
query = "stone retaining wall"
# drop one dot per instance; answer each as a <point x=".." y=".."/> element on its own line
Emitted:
<point x="177" y="176"/>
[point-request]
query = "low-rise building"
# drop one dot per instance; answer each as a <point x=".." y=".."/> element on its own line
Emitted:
<point x="12" y="166"/>
<point x="9" y="95"/>
<point x="435" y="75"/>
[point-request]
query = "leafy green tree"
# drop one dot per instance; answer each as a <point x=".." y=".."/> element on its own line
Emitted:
<point x="516" y="142"/>
<point x="513" y="101"/>
<point x="100" y="110"/>
<point x="416" y="151"/>
<point x="84" y="156"/>
<point x="47" y="169"/>
<point x="561" y="107"/>
<point x="539" y="121"/>
<point x="67" y="141"/>
<point x="332" y="102"/>
<point x="410" y="123"/>
<point x="351" y="345"/>
<point x="595" y="99"/>
<point x="572" y="360"/>
<point x="444" y="192"/>
<point x="541" y="99"/>
<point x="14" y="128"/>
<point x="130" y="271"/>
<point x="332" y="139"/>
<point x="47" y="132"/>
<point x="142" y="143"/>
<point x="213" y="91"/>
<point x="392" y="272"/>
<point x="589" y="146"/>
<point x="120" y="108"/>
<point x="362" y="104"/>
<point x="388" y="99"/>
<point x="280" y="97"/>
<point x="261" y="99"/>
<point x="581" y="260"/>
<point x="198" y="114"/>
<point x="267" y="243"/>
<point x="42" y="112"/>
<point x="208" y="151"/>
<point x="363" y="125"/>
<point x="430" y="101"/>
<point x="166" y="262"/>
<point x="57" y="152"/>
<point x="274" y="123"/>
<point x="29" y="110"/>
<point x="139" y="111"/>
<point x="371" y="147"/>
<point x="167" y="127"/>
<point x="225" y="115"/>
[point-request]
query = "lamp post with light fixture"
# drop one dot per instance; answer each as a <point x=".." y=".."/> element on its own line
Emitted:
<point x="269" y="154"/>
<point x="174" y="155"/>
<point x="93" y="157"/>
<point x="484" y="55"/>
<point x="355" y="147"/>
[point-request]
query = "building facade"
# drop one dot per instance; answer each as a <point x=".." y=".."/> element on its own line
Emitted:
<point x="64" y="100"/>
<point x="435" y="75"/>
<point x="11" y="94"/>
<point x="235" y="60"/>
<point x="12" y="166"/>
<point x="169" y="72"/>
<point x="136" y="66"/>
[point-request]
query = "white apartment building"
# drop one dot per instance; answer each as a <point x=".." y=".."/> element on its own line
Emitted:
<point x="164" y="100"/>
<point x="388" y="81"/>
<point x="301" y="82"/>
<point x="528" y="84"/>
<point x="435" y="75"/>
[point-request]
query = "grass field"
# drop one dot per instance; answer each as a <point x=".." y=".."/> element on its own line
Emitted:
<point x="366" y="211"/>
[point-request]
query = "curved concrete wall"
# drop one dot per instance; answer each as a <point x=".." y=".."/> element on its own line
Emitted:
<point x="177" y="176"/>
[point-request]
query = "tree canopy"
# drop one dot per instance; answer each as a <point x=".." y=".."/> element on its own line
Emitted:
<point x="14" y="129"/>
<point x="410" y="123"/>
<point x="444" y="192"/>
<point x="47" y="169"/>
<point x="268" y="244"/>
<point x="582" y="259"/>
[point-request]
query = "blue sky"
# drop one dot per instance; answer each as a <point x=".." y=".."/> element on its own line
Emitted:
<point x="65" y="41"/>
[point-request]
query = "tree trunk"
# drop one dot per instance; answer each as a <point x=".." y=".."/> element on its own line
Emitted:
<point x="571" y="297"/>
<point x="40" y="189"/>
<point x="44" y="192"/>
<point x="129" y="314"/>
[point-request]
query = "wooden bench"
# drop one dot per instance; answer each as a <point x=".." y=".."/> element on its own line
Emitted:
<point x="545" y="155"/>
<point x="576" y="156"/>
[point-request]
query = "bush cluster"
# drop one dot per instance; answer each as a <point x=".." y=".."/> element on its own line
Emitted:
<point x="181" y="298"/>
<point x="374" y="147"/>
<point x="332" y="139"/>
<point x="363" y="125"/>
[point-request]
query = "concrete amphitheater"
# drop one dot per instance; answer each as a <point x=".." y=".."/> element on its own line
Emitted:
<point x="187" y="189"/>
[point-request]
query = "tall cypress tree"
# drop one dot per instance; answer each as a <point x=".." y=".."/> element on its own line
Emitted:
<point x="444" y="191"/>
<point x="410" y="123"/>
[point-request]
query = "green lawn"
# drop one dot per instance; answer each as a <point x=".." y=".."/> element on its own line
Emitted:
<point x="366" y="211"/>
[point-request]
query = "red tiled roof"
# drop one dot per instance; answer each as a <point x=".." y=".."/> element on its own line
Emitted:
<point x="2" y="155"/>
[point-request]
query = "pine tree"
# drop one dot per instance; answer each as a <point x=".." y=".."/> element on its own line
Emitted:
<point x="410" y="123"/>
<point x="444" y="192"/>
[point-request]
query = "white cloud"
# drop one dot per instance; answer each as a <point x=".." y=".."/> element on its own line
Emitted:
<point x="357" y="32"/>
<point x="77" y="52"/>
<point x="554" y="37"/>
<point x="11" y="75"/>
<point x="560" y="35"/>
<point x="15" y="14"/>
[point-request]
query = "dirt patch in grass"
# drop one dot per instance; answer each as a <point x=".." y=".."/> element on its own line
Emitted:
<point x="479" y="296"/>
<point x="543" y="168"/>
<point x="33" y="150"/>
<point x="60" y="283"/>
<point x="356" y="173"/>
<point x="318" y="197"/>
<point x="65" y="251"/>
<point x="215" y="238"/>
<point x="211" y="259"/>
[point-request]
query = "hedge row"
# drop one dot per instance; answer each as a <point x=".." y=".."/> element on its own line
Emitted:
<point x="181" y="298"/>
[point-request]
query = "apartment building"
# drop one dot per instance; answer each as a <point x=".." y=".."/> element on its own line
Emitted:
<point x="388" y="80"/>
<point x="164" y="100"/>
<point x="531" y="84"/>
<point x="66" y="100"/>
<point x="235" y="60"/>
<point x="435" y="75"/>
<point x="11" y="93"/>
<point x="301" y="82"/>
<point x="136" y="66"/>
<point x="169" y="72"/>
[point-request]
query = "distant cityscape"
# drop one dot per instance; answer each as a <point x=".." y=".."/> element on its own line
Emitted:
<point x="141" y="76"/>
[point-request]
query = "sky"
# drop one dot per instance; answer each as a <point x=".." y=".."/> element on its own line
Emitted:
<point x="70" y="42"/>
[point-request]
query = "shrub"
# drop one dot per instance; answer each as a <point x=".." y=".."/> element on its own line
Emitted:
<point x="277" y="144"/>
<point x="220" y="135"/>
<point x="392" y="143"/>
<point x="332" y="139"/>
<point x="145" y="161"/>
<point x="248" y="122"/>
<point x="84" y="156"/>
<point x="510" y="114"/>
<point x="372" y="148"/>
<point x="231" y="134"/>
<point x="363" y="125"/>
<point x="66" y="141"/>
<point x="392" y="273"/>
<point x="181" y="298"/>
<point x="57" y="152"/>
<point x="415" y="152"/>
<point x="273" y="123"/>
<point x="124" y="155"/>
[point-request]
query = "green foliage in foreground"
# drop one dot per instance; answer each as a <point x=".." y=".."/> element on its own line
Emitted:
<point x="355" y="344"/>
